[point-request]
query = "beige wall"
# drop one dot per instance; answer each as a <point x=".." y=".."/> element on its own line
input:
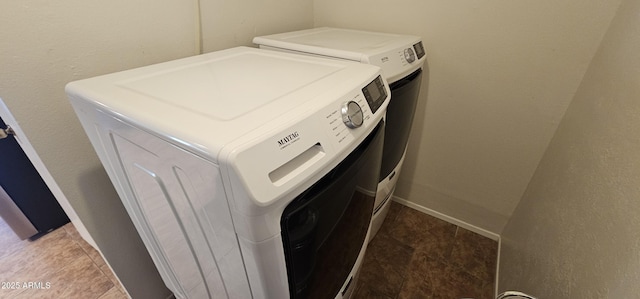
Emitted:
<point x="230" y="23"/>
<point x="47" y="44"/>
<point x="501" y="76"/>
<point x="575" y="233"/>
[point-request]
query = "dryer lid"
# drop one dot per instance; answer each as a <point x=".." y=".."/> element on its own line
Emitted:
<point x="382" y="49"/>
<point x="336" y="42"/>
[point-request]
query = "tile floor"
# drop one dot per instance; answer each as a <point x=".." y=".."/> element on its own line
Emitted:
<point x="61" y="260"/>
<point x="413" y="256"/>
<point x="418" y="256"/>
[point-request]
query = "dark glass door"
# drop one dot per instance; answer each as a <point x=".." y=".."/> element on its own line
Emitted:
<point x="400" y="112"/>
<point x="324" y="228"/>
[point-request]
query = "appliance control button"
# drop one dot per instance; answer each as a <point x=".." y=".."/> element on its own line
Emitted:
<point x="409" y="55"/>
<point x="352" y="115"/>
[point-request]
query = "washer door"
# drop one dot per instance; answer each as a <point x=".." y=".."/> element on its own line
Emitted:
<point x="324" y="229"/>
<point x="400" y="112"/>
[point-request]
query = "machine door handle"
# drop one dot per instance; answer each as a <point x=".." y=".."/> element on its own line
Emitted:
<point x="4" y="133"/>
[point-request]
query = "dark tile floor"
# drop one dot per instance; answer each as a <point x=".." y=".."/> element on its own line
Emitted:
<point x="415" y="255"/>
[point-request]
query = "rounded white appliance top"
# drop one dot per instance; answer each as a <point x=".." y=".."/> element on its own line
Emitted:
<point x="232" y="86"/>
<point x="207" y="101"/>
<point x="382" y="49"/>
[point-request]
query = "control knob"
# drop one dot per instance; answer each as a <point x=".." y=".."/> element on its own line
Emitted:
<point x="352" y="114"/>
<point x="409" y="55"/>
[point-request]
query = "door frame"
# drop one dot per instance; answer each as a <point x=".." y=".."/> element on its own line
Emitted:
<point x="33" y="156"/>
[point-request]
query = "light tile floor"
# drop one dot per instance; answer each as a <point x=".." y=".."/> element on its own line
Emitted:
<point x="60" y="264"/>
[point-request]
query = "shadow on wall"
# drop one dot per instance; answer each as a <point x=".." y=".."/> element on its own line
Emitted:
<point x="110" y="226"/>
<point x="575" y="232"/>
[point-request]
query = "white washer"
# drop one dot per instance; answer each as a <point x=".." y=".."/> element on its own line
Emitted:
<point x="244" y="171"/>
<point x="401" y="58"/>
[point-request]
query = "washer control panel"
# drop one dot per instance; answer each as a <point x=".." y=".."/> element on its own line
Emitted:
<point x="375" y="93"/>
<point x="357" y="113"/>
<point x="356" y="110"/>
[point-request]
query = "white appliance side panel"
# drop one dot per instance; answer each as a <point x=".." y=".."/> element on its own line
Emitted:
<point x="266" y="267"/>
<point x="179" y="196"/>
<point x="155" y="208"/>
<point x="177" y="203"/>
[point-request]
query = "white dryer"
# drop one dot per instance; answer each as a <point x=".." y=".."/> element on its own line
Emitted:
<point x="246" y="172"/>
<point x="401" y="58"/>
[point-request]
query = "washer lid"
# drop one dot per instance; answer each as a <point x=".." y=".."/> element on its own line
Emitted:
<point x="207" y="101"/>
<point x="230" y="86"/>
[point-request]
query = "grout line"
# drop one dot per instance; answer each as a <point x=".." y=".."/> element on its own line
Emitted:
<point x="116" y="284"/>
<point x="77" y="242"/>
<point x="107" y="291"/>
<point x="482" y="284"/>
<point x="459" y="224"/>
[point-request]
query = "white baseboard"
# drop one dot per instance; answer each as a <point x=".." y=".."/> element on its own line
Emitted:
<point x="447" y="218"/>
<point x="495" y="288"/>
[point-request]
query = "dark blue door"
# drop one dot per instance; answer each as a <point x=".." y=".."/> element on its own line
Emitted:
<point x="23" y="184"/>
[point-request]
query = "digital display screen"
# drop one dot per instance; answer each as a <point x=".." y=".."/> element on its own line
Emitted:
<point x="419" y="50"/>
<point x="375" y="93"/>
